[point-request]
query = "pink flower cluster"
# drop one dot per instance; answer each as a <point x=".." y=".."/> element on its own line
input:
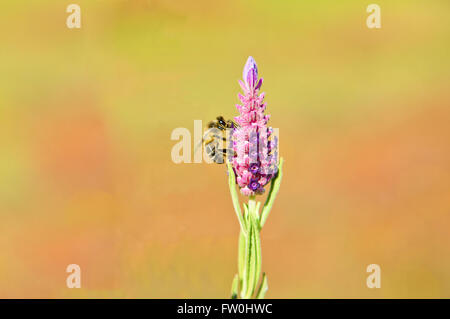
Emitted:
<point x="254" y="146"/>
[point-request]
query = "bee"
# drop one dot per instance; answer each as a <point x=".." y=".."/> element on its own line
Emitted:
<point x="215" y="139"/>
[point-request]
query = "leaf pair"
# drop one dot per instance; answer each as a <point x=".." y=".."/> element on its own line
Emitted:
<point x="251" y="223"/>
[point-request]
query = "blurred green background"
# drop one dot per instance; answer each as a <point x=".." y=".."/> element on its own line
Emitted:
<point x="86" y="172"/>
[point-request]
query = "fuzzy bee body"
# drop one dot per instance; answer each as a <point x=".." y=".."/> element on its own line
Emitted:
<point x="215" y="139"/>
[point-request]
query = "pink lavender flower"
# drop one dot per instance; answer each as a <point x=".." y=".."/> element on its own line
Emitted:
<point x="254" y="146"/>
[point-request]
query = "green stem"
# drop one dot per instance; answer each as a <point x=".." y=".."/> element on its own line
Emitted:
<point x="262" y="288"/>
<point x="252" y="260"/>
<point x="247" y="263"/>
<point x="274" y="188"/>
<point x="251" y="204"/>
<point x="234" y="197"/>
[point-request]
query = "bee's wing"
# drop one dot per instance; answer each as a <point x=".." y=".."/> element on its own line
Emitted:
<point x="198" y="146"/>
<point x="201" y="142"/>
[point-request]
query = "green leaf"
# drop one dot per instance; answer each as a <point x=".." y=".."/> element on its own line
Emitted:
<point x="235" y="287"/>
<point x="274" y="188"/>
<point x="258" y="256"/>
<point x="262" y="288"/>
<point x="253" y="264"/>
<point x="241" y="256"/>
<point x="234" y="197"/>
<point x="248" y="254"/>
<point x="258" y="205"/>
<point x="246" y="214"/>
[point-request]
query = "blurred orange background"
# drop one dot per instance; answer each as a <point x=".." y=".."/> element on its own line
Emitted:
<point x="85" y="152"/>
